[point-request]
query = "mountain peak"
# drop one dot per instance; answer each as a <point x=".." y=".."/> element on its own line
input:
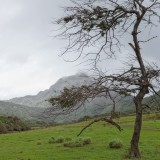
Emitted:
<point x="39" y="100"/>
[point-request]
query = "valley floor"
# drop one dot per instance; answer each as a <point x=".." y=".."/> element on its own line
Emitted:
<point x="33" y="145"/>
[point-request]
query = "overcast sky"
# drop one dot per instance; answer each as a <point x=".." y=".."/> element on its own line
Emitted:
<point x="29" y="60"/>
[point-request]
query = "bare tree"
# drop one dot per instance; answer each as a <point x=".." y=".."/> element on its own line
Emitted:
<point x="101" y="25"/>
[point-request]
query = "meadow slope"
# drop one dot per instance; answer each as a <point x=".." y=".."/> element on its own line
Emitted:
<point x="33" y="145"/>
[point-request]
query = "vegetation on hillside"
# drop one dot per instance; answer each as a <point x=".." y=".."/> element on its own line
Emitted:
<point x="10" y="124"/>
<point x="34" y="144"/>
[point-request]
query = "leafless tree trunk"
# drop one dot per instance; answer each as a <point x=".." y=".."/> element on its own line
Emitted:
<point x="143" y="91"/>
<point x="134" y="151"/>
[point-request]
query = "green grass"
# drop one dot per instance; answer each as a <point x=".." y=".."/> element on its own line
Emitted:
<point x="33" y="145"/>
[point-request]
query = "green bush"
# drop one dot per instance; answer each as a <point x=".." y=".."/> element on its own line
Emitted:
<point x="60" y="140"/>
<point x="3" y="128"/>
<point x="77" y="143"/>
<point x="69" y="144"/>
<point x="56" y="140"/>
<point x="80" y="142"/>
<point x="51" y="140"/>
<point x="116" y="143"/>
<point x="10" y="124"/>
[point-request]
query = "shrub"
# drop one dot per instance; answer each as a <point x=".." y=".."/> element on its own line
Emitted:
<point x="76" y="143"/>
<point x="80" y="142"/>
<point x="60" y="140"/>
<point x="56" y="140"/>
<point x="116" y="143"/>
<point x="3" y="128"/>
<point x="10" y="124"/>
<point x="51" y="140"/>
<point x="69" y="144"/>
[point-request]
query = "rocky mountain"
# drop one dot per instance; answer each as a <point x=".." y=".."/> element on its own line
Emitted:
<point x="99" y="105"/>
<point x="40" y="100"/>
<point x="34" y="107"/>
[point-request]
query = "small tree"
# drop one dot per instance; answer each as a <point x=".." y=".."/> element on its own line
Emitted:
<point x="101" y="25"/>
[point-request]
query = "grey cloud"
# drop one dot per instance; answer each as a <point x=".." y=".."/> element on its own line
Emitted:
<point x="29" y="60"/>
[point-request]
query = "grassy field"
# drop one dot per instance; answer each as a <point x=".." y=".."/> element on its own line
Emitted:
<point x="33" y="145"/>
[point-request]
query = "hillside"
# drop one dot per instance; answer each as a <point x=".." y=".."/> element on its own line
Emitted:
<point x="11" y="124"/>
<point x="34" y="145"/>
<point x="21" y="111"/>
<point x="36" y="107"/>
<point x="39" y="100"/>
<point x="98" y="106"/>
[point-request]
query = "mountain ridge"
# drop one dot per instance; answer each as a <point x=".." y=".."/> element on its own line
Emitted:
<point x="38" y="103"/>
<point x="39" y="100"/>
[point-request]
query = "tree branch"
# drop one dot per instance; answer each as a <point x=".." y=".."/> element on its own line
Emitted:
<point x="101" y="119"/>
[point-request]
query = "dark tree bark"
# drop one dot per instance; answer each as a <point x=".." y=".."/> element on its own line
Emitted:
<point x="134" y="151"/>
